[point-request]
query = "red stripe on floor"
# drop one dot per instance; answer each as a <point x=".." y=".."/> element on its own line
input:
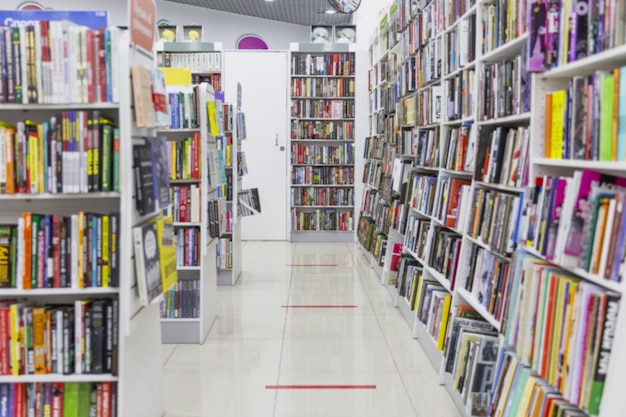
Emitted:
<point x="312" y="265"/>
<point x="319" y="306"/>
<point x="320" y="387"/>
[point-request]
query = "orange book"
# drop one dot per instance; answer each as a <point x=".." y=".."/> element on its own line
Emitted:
<point x="615" y="125"/>
<point x="548" y="326"/>
<point x="39" y="339"/>
<point x="9" y="132"/>
<point x="547" y="145"/>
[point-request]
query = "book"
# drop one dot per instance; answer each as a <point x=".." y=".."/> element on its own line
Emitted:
<point x="142" y="96"/>
<point x="147" y="262"/>
<point x="167" y="252"/>
<point x="160" y="170"/>
<point x="144" y="178"/>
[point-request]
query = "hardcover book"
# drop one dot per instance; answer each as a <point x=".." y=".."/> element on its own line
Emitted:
<point x="147" y="262"/>
<point x="160" y="170"/>
<point x="144" y="180"/>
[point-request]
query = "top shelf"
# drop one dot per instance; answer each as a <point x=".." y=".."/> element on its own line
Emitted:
<point x="68" y="106"/>
<point x="508" y="50"/>
<point x="606" y="60"/>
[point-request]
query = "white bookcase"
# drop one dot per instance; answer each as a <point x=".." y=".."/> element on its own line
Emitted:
<point x="138" y="334"/>
<point x="388" y="64"/>
<point x="196" y="283"/>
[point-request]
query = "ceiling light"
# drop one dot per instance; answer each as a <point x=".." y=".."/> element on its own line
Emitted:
<point x="329" y="11"/>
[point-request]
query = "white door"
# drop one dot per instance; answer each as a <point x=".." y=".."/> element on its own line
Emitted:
<point x="264" y="79"/>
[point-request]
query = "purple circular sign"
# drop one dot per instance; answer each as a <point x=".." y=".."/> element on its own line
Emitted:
<point x="251" y="42"/>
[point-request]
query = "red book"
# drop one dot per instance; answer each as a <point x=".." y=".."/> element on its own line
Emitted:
<point x="91" y="66"/>
<point x="101" y="66"/>
<point x="195" y="158"/>
<point x="106" y="399"/>
<point x="57" y="399"/>
<point x="18" y="408"/>
<point x="5" y="336"/>
<point x="99" y="399"/>
<point x="453" y="200"/>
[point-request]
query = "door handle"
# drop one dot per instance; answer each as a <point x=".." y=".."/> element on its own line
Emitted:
<point x="277" y="139"/>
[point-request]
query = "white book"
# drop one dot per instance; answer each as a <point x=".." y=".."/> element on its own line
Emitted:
<point x="78" y="337"/>
<point x="115" y="43"/>
<point x="76" y="225"/>
<point x="39" y="69"/>
<point x="464" y="44"/>
<point x="23" y="59"/>
<point x="3" y="156"/>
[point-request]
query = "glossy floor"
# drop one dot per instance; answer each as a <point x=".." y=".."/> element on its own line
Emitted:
<point x="364" y="348"/>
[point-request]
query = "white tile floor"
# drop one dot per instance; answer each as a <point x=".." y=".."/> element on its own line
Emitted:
<point x="256" y="342"/>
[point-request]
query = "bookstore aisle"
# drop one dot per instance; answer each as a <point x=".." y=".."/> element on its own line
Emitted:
<point x="309" y="331"/>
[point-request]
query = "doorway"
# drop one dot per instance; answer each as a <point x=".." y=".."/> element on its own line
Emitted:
<point x="264" y="78"/>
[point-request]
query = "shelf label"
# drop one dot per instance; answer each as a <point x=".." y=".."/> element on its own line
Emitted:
<point x="142" y="23"/>
<point x="16" y="18"/>
<point x="239" y="93"/>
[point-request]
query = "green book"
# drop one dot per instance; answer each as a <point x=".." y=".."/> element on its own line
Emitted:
<point x="116" y="159"/>
<point x="106" y="156"/>
<point x="607" y="85"/>
<point x="76" y="401"/>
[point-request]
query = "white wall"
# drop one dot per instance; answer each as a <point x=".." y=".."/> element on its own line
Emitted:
<point x="218" y="26"/>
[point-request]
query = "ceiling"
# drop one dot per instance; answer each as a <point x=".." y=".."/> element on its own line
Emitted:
<point x="300" y="12"/>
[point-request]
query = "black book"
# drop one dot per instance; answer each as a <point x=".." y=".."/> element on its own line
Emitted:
<point x="144" y="183"/>
<point x="87" y="334"/>
<point x="68" y="340"/>
<point x="108" y="337"/>
<point x="160" y="170"/>
<point x="97" y="336"/>
<point x="114" y="236"/>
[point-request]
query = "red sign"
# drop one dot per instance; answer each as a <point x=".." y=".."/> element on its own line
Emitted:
<point x="142" y="23"/>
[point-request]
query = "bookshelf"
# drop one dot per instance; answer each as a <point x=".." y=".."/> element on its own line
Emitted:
<point x="322" y="143"/>
<point x="228" y="246"/>
<point x="484" y="249"/>
<point x="203" y="59"/>
<point x="109" y="373"/>
<point x="189" y="309"/>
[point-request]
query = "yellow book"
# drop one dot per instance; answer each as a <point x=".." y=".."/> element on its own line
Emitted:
<point x="559" y="102"/>
<point x="40" y="160"/>
<point x="524" y="404"/>
<point x="173" y="167"/>
<point x="547" y="145"/>
<point x="555" y="338"/>
<point x="213" y="121"/>
<point x="176" y="76"/>
<point x="106" y="268"/>
<point x="167" y="252"/>
<point x="569" y="323"/>
<point x="444" y="322"/>
<point x="17" y="338"/>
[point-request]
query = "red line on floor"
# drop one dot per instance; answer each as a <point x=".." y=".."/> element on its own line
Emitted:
<point x="320" y="387"/>
<point x="319" y="306"/>
<point x="312" y="265"/>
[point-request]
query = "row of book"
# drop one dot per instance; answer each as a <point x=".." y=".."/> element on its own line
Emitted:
<point x="249" y="202"/>
<point x="447" y="199"/>
<point x="184" y="158"/>
<point x="574" y="32"/>
<point x="303" y="129"/>
<point x="504" y="89"/>
<point x="219" y="217"/>
<point x="372" y="173"/>
<point x="184" y="108"/>
<point x="182" y="301"/>
<point x="587" y="121"/>
<point x="307" y="175"/>
<point x="188" y="244"/>
<point x="73" y="152"/>
<point x="322" y="155"/>
<point x="224" y="253"/>
<point x="445" y="252"/>
<point x="502" y="156"/>
<point x="457" y="156"/>
<point x="429" y="62"/>
<point x="77" y="338"/>
<point x="422" y="191"/>
<point x="321" y="220"/>
<point x="398" y="215"/>
<point x="519" y="390"/>
<point x="320" y="196"/>
<point x="216" y="167"/>
<point x="493" y="219"/>
<point x="432" y="306"/>
<point x="456" y="9"/>
<point x="425" y="26"/>
<point x="460" y="95"/>
<point x="429" y="105"/>
<point x="578" y="222"/>
<point x="562" y="329"/>
<point x="374" y="147"/>
<point x="197" y="62"/>
<point x="365" y="232"/>
<point x="487" y="279"/>
<point x="185" y="207"/>
<point x="322" y="87"/>
<point x="410" y="273"/>
<point x="406" y="78"/>
<point x="242" y="164"/>
<point x="214" y="79"/>
<point x="51" y="251"/>
<point x="426" y="145"/>
<point x="461" y="44"/>
<point x="322" y="108"/>
<point x="59" y="398"/>
<point x="57" y="62"/>
<point x="471" y="350"/>
<point x="503" y="21"/>
<point x="327" y="64"/>
<point x="416" y="237"/>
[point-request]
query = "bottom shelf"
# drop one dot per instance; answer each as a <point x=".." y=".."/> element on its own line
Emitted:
<point x="227" y="277"/>
<point x="181" y="331"/>
<point x="454" y="394"/>
<point x="393" y="292"/>
<point x="428" y="345"/>
<point x="405" y="310"/>
<point x="322" y="236"/>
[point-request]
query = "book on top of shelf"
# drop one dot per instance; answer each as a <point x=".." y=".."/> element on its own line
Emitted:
<point x="167" y="252"/>
<point x="162" y="115"/>
<point x="160" y="170"/>
<point x="147" y="262"/>
<point x="142" y="96"/>
<point x="144" y="179"/>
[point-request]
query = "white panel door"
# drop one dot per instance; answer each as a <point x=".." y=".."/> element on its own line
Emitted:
<point x="264" y="79"/>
